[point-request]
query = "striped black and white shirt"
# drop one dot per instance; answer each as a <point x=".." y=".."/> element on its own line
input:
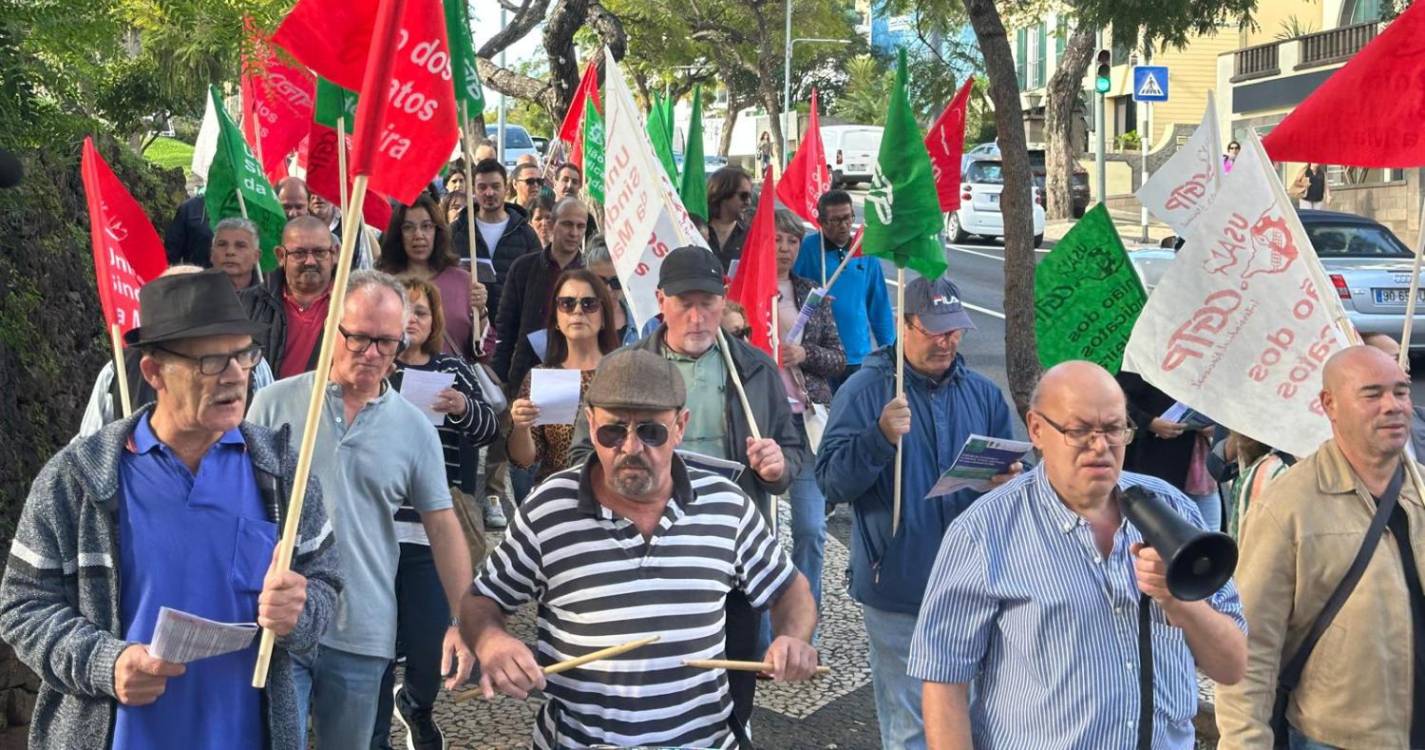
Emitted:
<point x="599" y="583"/>
<point x="479" y="425"/>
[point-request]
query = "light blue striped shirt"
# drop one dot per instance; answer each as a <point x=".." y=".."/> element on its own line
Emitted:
<point x="1021" y="602"/>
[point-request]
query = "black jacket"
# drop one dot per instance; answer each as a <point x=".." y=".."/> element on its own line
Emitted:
<point x="519" y="239"/>
<point x="1149" y="454"/>
<point x="188" y="238"/>
<point x="523" y="309"/>
<point x="263" y="304"/>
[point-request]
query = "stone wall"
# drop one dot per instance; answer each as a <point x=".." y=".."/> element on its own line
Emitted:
<point x="51" y="336"/>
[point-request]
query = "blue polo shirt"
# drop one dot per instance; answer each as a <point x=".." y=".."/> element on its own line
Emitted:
<point x="199" y="543"/>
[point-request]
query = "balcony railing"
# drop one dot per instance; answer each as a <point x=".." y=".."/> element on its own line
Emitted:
<point x="1255" y="62"/>
<point x="1336" y="45"/>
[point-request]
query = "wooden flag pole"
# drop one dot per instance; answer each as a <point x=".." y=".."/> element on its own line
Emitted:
<point x="736" y="379"/>
<point x="578" y="661"/>
<point x="1414" y="290"/>
<point x="120" y="372"/>
<point x="850" y="255"/>
<point x="900" y="391"/>
<point x="288" y="542"/>
<point x="740" y="666"/>
<point x="242" y="204"/>
<point x="467" y="134"/>
<point x="776" y="332"/>
<point x="341" y="163"/>
<point x="821" y="235"/>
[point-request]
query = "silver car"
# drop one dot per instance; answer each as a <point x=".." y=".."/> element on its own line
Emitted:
<point x="1367" y="265"/>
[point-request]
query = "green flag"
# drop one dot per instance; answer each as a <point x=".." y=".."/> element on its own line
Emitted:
<point x="235" y="169"/>
<point x="593" y="150"/>
<point x="333" y="102"/>
<point x="694" y="187"/>
<point x="468" y="92"/>
<point x="1086" y="295"/>
<point x="658" y="136"/>
<point x="902" y="213"/>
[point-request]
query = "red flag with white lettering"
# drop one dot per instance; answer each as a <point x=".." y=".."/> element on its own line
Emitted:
<point x="806" y="178"/>
<point x="319" y="157"/>
<point x="127" y="250"/>
<point x="755" y="285"/>
<point x="946" y="143"/>
<point x="571" y="131"/>
<point x="396" y="53"/>
<point x="277" y="101"/>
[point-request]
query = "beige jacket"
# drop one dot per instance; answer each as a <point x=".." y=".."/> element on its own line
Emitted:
<point x="1303" y="534"/>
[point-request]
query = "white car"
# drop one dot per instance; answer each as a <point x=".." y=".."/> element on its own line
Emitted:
<point x="979" y="212"/>
<point x="517" y="144"/>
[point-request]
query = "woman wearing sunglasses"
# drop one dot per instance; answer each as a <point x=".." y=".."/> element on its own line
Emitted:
<point x="580" y="332"/>
<point x="729" y="195"/>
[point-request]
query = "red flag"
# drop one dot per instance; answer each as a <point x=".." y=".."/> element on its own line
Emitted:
<point x="755" y="285"/>
<point x="805" y="178"/>
<point x="571" y="131"/>
<point x="127" y="250"/>
<point x="277" y="101"/>
<point x="946" y="143"/>
<point x="406" y="125"/>
<point x="1367" y="114"/>
<point x="319" y="157"/>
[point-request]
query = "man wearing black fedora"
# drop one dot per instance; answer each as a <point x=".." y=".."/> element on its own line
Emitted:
<point x="177" y="506"/>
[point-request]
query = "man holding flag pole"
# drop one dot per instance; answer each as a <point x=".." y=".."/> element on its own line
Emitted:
<point x="892" y="433"/>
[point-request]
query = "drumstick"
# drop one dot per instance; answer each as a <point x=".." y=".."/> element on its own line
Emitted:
<point x="740" y="666"/>
<point x="578" y="661"/>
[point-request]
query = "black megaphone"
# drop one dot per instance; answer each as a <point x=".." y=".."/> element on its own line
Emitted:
<point x="1199" y="562"/>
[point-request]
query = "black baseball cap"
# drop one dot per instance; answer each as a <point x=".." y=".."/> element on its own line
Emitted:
<point x="691" y="269"/>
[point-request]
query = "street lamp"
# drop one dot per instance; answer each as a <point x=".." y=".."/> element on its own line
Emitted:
<point x="787" y="72"/>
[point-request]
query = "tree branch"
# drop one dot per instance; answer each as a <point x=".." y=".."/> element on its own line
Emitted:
<point x="527" y="16"/>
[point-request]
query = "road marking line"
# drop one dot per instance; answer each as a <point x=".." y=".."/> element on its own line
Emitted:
<point x="976" y="308"/>
<point x="958" y="248"/>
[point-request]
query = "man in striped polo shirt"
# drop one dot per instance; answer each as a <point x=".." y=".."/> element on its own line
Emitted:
<point x="1035" y="597"/>
<point x="630" y="544"/>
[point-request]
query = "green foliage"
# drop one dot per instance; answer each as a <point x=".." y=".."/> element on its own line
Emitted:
<point x="170" y="153"/>
<point x="868" y="87"/>
<point x="530" y="115"/>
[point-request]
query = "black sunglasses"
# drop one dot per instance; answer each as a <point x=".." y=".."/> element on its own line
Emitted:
<point x="585" y="304"/>
<point x="612" y="283"/>
<point x="533" y="181"/>
<point x="651" y="434"/>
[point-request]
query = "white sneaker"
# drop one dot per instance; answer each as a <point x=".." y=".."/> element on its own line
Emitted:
<point x="494" y="514"/>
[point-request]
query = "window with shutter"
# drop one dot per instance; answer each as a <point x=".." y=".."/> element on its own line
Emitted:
<point x="1021" y="60"/>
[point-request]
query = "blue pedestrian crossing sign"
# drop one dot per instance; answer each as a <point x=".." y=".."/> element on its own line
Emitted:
<point x="1150" y="83"/>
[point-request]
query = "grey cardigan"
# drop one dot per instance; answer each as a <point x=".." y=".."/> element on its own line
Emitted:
<point x="59" y="598"/>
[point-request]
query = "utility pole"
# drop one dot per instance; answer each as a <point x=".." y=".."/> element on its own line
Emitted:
<point x="1101" y="127"/>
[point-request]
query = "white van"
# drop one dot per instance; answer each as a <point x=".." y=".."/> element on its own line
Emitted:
<point x="851" y="152"/>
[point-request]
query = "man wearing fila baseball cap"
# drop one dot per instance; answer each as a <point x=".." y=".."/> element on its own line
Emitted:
<point x="944" y="403"/>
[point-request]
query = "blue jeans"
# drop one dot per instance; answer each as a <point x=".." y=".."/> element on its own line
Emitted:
<point x="1298" y="741"/>
<point x="808" y="540"/>
<point x="339" y="690"/>
<point x="1210" y="506"/>
<point x="897" y="694"/>
<point x="422" y="617"/>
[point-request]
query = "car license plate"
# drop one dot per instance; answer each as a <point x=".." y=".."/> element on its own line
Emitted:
<point x="857" y="168"/>
<point x="994" y="197"/>
<point x="1398" y="296"/>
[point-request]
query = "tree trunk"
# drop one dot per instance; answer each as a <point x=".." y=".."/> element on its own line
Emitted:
<point x="729" y="121"/>
<point x="1063" y="94"/>
<point x="767" y="84"/>
<point x="1021" y="357"/>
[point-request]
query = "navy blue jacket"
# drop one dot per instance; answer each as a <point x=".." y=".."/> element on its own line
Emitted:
<point x="856" y="464"/>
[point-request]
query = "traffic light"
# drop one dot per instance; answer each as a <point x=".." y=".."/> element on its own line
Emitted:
<point x="1101" y="84"/>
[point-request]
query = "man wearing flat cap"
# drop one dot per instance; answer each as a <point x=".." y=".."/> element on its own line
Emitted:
<point x="945" y="402"/>
<point x="630" y="544"/>
<point x="178" y="506"/>
<point x="691" y="297"/>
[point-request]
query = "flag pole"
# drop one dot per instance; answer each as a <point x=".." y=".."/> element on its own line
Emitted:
<point x="736" y="379"/>
<point x="120" y="372"/>
<point x="242" y="204"/>
<point x="775" y="335"/>
<point x="341" y="161"/>
<point x="288" y="542"/>
<point x="850" y="254"/>
<point x="467" y="135"/>
<point x="822" y="237"/>
<point x="900" y="391"/>
<point x="1414" y="290"/>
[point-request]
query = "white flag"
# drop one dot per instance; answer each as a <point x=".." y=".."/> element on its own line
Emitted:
<point x="1244" y="319"/>
<point x="1180" y="190"/>
<point x="644" y="218"/>
<point x="207" y="145"/>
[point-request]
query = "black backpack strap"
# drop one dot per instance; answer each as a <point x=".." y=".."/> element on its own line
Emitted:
<point x="1291" y="672"/>
<point x="1145" y="673"/>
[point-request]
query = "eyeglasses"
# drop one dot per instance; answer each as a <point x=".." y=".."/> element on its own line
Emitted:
<point x="651" y="434"/>
<point x="533" y="181"/>
<point x="215" y="364"/>
<point x="358" y="343"/>
<point x="303" y="253"/>
<point x="742" y="332"/>
<point x="423" y="227"/>
<point x="612" y="283"/>
<point x="1082" y="437"/>
<point x="585" y="304"/>
<point x="941" y="337"/>
<point x="838" y="220"/>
